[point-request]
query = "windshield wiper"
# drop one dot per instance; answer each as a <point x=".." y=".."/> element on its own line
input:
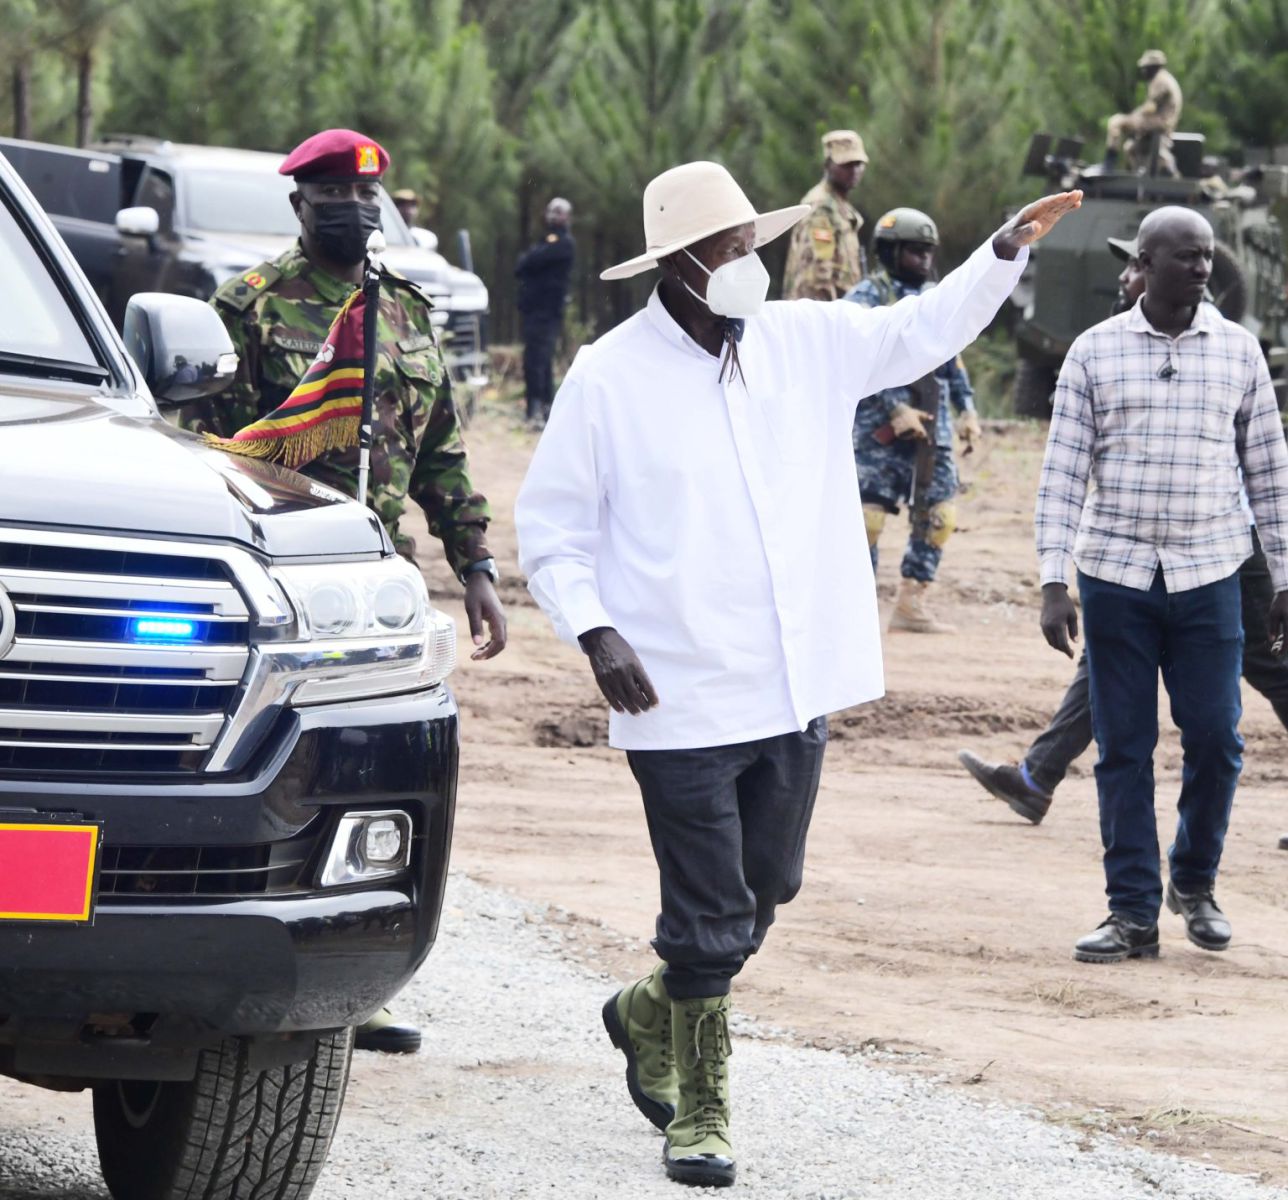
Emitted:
<point x="51" y="368"/>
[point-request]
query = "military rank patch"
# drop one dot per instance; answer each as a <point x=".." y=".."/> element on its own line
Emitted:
<point x="368" y="157"/>
<point x="254" y="279"/>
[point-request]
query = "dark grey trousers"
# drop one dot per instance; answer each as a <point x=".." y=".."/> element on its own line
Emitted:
<point x="1069" y="733"/>
<point x="728" y="827"/>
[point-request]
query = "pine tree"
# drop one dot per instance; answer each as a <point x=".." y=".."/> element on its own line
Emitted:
<point x="1086" y="52"/>
<point x="644" y="92"/>
<point x="1250" y="82"/>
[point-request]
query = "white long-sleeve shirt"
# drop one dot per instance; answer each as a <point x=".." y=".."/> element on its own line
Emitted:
<point x="718" y="526"/>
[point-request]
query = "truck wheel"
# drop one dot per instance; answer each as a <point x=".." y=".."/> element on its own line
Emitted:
<point x="1228" y="285"/>
<point x="232" y="1133"/>
<point x="1034" y="383"/>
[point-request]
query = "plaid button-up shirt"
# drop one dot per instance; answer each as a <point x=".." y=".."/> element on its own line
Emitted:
<point x="1162" y="426"/>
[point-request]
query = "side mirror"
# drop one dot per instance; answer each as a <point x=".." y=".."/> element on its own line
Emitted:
<point x="180" y="345"/>
<point x="426" y="239"/>
<point x="138" y="222"/>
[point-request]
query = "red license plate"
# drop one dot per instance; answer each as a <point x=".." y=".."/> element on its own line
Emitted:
<point x="48" y="870"/>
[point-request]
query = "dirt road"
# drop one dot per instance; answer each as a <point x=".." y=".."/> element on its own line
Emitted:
<point x="933" y="922"/>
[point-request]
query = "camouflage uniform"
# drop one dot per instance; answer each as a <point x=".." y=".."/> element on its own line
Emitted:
<point x="278" y="315"/>
<point x="885" y="472"/>
<point x="825" y="259"/>
<point x="1160" y="114"/>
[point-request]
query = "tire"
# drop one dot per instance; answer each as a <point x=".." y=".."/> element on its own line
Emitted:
<point x="232" y="1133"/>
<point x="1228" y="285"/>
<point x="1034" y="384"/>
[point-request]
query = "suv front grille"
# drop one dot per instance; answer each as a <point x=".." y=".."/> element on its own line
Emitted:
<point x="81" y="693"/>
<point x="207" y="872"/>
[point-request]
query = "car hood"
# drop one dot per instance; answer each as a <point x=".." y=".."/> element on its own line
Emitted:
<point x="69" y="460"/>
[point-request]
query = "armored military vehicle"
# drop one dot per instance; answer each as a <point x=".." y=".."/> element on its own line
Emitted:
<point x="1071" y="280"/>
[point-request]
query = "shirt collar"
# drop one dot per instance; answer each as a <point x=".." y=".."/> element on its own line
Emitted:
<point x="670" y="328"/>
<point x="1207" y="319"/>
<point x="331" y="289"/>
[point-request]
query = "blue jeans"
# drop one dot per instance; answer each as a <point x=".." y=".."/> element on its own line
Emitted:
<point x="1196" y="638"/>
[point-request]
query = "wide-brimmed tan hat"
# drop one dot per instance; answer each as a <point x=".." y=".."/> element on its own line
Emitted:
<point x="691" y="202"/>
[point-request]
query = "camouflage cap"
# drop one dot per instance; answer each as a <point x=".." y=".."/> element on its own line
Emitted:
<point x="1124" y="248"/>
<point x="1152" y="58"/>
<point x="843" y="146"/>
<point x="906" y="225"/>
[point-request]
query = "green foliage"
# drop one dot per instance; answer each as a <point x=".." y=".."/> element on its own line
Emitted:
<point x="490" y="107"/>
<point x="1250" y="79"/>
<point x="1086" y="53"/>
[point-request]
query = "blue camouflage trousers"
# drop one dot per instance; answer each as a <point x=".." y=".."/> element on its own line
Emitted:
<point x="885" y="478"/>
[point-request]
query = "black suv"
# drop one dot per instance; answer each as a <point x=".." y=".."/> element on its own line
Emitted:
<point x="227" y="751"/>
<point x="145" y="214"/>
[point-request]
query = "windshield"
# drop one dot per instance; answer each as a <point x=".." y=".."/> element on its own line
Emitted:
<point x="35" y="318"/>
<point x="258" y="203"/>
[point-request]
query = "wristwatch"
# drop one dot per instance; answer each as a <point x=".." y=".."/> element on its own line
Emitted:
<point x="486" y="566"/>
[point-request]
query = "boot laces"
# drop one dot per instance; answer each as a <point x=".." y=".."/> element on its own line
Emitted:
<point x="709" y="1048"/>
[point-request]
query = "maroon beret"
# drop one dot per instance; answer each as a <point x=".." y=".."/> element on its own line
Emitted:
<point x="336" y="154"/>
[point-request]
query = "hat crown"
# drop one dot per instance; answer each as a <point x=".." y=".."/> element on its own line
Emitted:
<point x="690" y="202"/>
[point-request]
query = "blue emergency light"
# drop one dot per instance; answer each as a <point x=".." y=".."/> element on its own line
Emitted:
<point x="163" y="629"/>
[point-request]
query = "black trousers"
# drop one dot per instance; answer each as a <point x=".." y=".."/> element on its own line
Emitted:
<point x="728" y="826"/>
<point x="1069" y="733"/>
<point x="540" y="332"/>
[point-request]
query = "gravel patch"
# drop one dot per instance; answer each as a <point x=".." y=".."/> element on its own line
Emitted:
<point x="518" y="1094"/>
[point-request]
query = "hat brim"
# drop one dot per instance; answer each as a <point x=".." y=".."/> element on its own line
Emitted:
<point x="768" y="226"/>
<point x="1122" y="248"/>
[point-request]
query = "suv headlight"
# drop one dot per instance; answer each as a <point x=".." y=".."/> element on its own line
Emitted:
<point x="363" y="629"/>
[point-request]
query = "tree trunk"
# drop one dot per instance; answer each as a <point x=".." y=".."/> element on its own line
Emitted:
<point x="84" y="96"/>
<point x="22" y="99"/>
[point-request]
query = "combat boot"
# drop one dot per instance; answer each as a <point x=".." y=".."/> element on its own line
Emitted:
<point x="638" y="1020"/>
<point x="698" y="1150"/>
<point x="910" y="612"/>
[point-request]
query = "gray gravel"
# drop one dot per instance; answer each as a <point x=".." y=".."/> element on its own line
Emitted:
<point x="518" y="1094"/>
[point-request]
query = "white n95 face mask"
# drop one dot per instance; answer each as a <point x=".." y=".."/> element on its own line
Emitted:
<point x="735" y="289"/>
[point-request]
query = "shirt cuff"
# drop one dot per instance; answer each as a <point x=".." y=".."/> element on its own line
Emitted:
<point x="572" y="605"/>
<point x="1055" y="568"/>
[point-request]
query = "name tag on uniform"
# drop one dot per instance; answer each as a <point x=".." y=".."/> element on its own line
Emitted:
<point x="297" y="344"/>
<point x="409" y="345"/>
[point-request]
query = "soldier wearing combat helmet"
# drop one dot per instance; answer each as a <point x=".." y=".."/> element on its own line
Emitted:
<point x="888" y="426"/>
<point x="1158" y="115"/>
<point x="278" y="315"/>
<point x="825" y="259"/>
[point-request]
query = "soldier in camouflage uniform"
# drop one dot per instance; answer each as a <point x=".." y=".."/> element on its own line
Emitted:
<point x="278" y="315"/>
<point x="888" y="426"/>
<point x="1159" y="115"/>
<point x="825" y="259"/>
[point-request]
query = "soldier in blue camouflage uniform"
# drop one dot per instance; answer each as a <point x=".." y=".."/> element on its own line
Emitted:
<point x="278" y="315"/>
<point x="888" y="426"/>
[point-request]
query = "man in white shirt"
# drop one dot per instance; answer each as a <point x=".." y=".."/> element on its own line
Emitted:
<point x="1169" y="408"/>
<point x="691" y="519"/>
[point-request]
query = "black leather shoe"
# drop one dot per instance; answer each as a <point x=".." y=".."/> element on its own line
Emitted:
<point x="1116" y="939"/>
<point x="1283" y="842"/>
<point x="701" y="1170"/>
<point x="1006" y="783"/>
<point x="386" y="1035"/>
<point x="1205" y="924"/>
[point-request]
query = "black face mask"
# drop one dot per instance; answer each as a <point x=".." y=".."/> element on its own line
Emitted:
<point x="341" y="228"/>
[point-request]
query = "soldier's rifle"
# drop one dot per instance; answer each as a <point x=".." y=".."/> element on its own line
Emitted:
<point x="925" y="399"/>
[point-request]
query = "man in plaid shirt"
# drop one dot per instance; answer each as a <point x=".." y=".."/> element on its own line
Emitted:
<point x="1170" y="410"/>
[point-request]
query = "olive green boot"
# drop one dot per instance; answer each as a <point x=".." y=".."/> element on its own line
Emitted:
<point x="638" y="1020"/>
<point x="697" y="1141"/>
